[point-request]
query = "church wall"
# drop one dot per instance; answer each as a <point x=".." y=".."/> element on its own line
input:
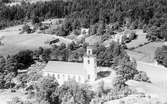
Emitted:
<point x="61" y="77"/>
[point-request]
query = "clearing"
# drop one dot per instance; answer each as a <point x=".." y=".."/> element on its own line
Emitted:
<point x="141" y="38"/>
<point x="145" y="53"/>
<point x="156" y="73"/>
<point x="15" y="42"/>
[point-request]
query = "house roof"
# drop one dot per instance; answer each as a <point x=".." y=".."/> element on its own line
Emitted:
<point x="65" y="68"/>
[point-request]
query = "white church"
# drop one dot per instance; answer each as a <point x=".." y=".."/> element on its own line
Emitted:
<point x="80" y="72"/>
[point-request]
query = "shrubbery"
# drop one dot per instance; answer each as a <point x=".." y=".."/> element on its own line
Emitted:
<point x="26" y="28"/>
<point x="126" y="70"/>
<point x="9" y="66"/>
<point x="132" y="36"/>
<point x="5" y="1"/>
<point x="161" y="55"/>
<point x="142" y="76"/>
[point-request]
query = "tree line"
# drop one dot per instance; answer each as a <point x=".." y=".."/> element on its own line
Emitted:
<point x="147" y="14"/>
<point x="10" y="65"/>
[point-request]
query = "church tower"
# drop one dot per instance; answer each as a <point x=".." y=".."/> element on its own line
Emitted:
<point x="90" y="64"/>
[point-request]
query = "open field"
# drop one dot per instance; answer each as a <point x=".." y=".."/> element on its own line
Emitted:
<point x="141" y="38"/>
<point x="157" y="73"/>
<point x="145" y="53"/>
<point x="14" y="42"/>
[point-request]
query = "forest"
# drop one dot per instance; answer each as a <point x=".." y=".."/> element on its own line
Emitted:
<point x="150" y="15"/>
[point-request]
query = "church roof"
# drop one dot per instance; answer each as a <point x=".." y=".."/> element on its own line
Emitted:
<point x="91" y="47"/>
<point x="65" y="68"/>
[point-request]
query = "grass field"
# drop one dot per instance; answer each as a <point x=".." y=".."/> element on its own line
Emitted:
<point x="145" y="53"/>
<point x="14" y="42"/>
<point x="141" y="38"/>
<point x="158" y="77"/>
<point x="157" y="73"/>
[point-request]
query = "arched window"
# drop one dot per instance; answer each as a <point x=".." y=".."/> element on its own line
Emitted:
<point x="89" y="52"/>
<point x="88" y="61"/>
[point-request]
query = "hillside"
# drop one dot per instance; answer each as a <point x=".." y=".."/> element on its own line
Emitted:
<point x="14" y="41"/>
<point x="157" y="73"/>
<point x="141" y="39"/>
<point x="145" y="53"/>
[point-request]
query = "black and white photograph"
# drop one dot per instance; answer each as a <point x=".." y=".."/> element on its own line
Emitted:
<point x="83" y="51"/>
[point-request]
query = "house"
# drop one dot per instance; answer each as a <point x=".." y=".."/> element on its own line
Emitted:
<point x="118" y="38"/>
<point x="84" y="31"/>
<point x="81" y="72"/>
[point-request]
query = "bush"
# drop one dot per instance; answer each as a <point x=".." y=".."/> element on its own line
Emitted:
<point x="134" y="25"/>
<point x="13" y="90"/>
<point x="35" y="20"/>
<point x="74" y="90"/>
<point x="145" y="28"/>
<point x="141" y="76"/>
<point x="103" y="74"/>
<point x="161" y="55"/>
<point x="24" y="59"/>
<point x="26" y="28"/>
<point x="132" y="36"/>
<point x="77" y="32"/>
<point x="5" y="1"/>
<point x="125" y="39"/>
<point x="44" y="27"/>
<point x="105" y="37"/>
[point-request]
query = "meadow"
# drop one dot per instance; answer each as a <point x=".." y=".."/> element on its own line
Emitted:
<point x="14" y="41"/>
